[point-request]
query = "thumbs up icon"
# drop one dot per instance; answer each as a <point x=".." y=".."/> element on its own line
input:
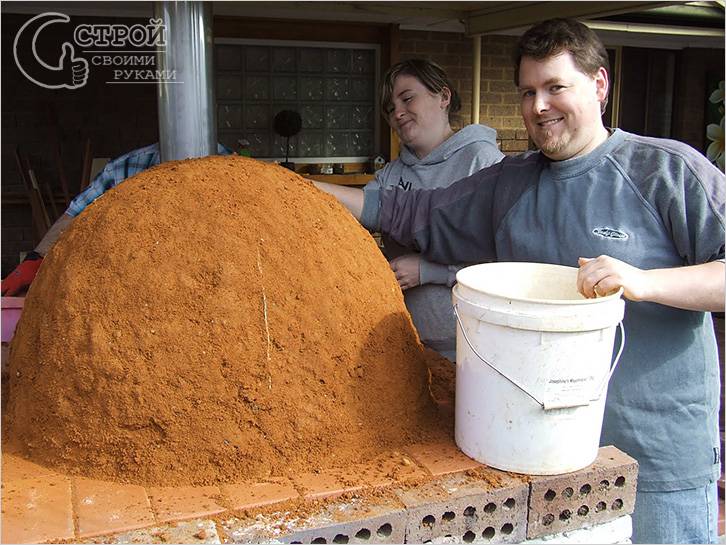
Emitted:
<point x="75" y="69"/>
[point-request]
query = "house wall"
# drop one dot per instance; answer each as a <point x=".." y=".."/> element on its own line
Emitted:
<point x="499" y="102"/>
<point x="119" y="118"/>
<point x="116" y="119"/>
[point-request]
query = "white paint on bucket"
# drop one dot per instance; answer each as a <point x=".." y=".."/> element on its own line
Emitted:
<point x="533" y="360"/>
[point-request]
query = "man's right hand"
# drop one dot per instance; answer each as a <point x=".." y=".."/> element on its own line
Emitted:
<point x="22" y="276"/>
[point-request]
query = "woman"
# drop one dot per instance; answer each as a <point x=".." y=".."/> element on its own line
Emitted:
<point x="419" y="103"/>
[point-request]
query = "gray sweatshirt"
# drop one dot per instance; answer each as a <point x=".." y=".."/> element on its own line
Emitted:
<point x="465" y="152"/>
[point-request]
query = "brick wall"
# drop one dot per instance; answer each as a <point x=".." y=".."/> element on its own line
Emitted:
<point x="499" y="102"/>
<point x="117" y="118"/>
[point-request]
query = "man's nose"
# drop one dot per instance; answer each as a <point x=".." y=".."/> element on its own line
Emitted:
<point x="540" y="103"/>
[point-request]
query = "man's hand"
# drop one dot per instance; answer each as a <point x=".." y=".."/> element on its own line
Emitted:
<point x="406" y="269"/>
<point x="22" y="276"/>
<point x="605" y="275"/>
<point x="691" y="287"/>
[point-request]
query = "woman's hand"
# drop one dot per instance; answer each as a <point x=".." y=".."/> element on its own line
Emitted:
<point x="406" y="269"/>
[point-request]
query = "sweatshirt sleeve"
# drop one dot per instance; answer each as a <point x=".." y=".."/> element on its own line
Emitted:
<point x="447" y="225"/>
<point x="436" y="273"/>
<point x="705" y="193"/>
<point x="686" y="192"/>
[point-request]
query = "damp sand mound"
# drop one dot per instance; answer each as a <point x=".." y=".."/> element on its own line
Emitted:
<point x="214" y="320"/>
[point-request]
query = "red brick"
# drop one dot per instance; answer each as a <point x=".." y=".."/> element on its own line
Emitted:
<point x="104" y="507"/>
<point x="250" y="495"/>
<point x="491" y="98"/>
<point x="502" y="86"/>
<point x="37" y="510"/>
<point x="441" y="458"/>
<point x="502" y="111"/>
<point x="185" y="502"/>
<point x="603" y="491"/>
<point x="514" y="145"/>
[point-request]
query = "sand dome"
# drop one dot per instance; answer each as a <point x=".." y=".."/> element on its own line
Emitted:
<point x="213" y="320"/>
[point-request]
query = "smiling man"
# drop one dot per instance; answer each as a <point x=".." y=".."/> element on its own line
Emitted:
<point x="640" y="213"/>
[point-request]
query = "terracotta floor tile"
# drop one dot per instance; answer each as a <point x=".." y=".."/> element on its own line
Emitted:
<point x="37" y="510"/>
<point x="103" y="507"/>
<point x="441" y="458"/>
<point x="388" y="469"/>
<point x="185" y="502"/>
<point x="15" y="468"/>
<point x="326" y="484"/>
<point x="245" y="496"/>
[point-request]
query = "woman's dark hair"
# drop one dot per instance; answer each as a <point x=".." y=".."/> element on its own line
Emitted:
<point x="556" y="36"/>
<point x="430" y="74"/>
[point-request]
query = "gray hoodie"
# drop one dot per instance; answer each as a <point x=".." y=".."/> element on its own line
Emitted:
<point x="467" y="151"/>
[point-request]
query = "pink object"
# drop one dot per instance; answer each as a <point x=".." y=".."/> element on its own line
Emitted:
<point x="12" y="308"/>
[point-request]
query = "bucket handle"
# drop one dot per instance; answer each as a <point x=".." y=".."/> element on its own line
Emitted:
<point x="601" y="388"/>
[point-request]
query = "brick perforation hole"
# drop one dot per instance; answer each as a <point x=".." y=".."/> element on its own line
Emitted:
<point x="585" y="489"/>
<point x="548" y="519"/>
<point x="385" y="530"/>
<point x="469" y="536"/>
<point x="507" y="529"/>
<point x="340" y="538"/>
<point x="488" y="533"/>
<point x="428" y="520"/>
<point x="490" y="507"/>
<point x="601" y="506"/>
<point x="448" y="516"/>
<point x="583" y="510"/>
<point x="565" y="515"/>
<point x="364" y="534"/>
<point x="510" y="503"/>
<point x="620" y="481"/>
<point x="617" y="505"/>
<point x="319" y="540"/>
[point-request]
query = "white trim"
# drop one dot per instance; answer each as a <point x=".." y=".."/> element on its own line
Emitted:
<point x="295" y="43"/>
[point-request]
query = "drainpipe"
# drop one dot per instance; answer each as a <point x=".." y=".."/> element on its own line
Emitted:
<point x="187" y="120"/>
<point x="476" y="79"/>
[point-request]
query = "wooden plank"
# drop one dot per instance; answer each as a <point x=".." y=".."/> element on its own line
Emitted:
<point x="58" y="156"/>
<point x="87" y="162"/>
<point x="38" y="195"/>
<point x="341" y="179"/>
<point x="39" y="223"/>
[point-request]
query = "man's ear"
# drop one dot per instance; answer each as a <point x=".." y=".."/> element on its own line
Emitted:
<point x="445" y="97"/>
<point x="602" y="84"/>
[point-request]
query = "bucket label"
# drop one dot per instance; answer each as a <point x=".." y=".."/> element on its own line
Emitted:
<point x="566" y="392"/>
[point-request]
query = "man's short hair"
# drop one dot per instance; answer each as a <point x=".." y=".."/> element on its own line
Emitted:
<point x="431" y="76"/>
<point x="556" y="36"/>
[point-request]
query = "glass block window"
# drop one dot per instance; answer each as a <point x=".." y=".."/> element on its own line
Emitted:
<point x="332" y="87"/>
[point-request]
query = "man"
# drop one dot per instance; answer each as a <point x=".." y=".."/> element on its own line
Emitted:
<point x="115" y="172"/>
<point x="652" y="210"/>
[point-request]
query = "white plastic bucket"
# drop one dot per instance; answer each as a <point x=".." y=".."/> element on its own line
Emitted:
<point x="533" y="361"/>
